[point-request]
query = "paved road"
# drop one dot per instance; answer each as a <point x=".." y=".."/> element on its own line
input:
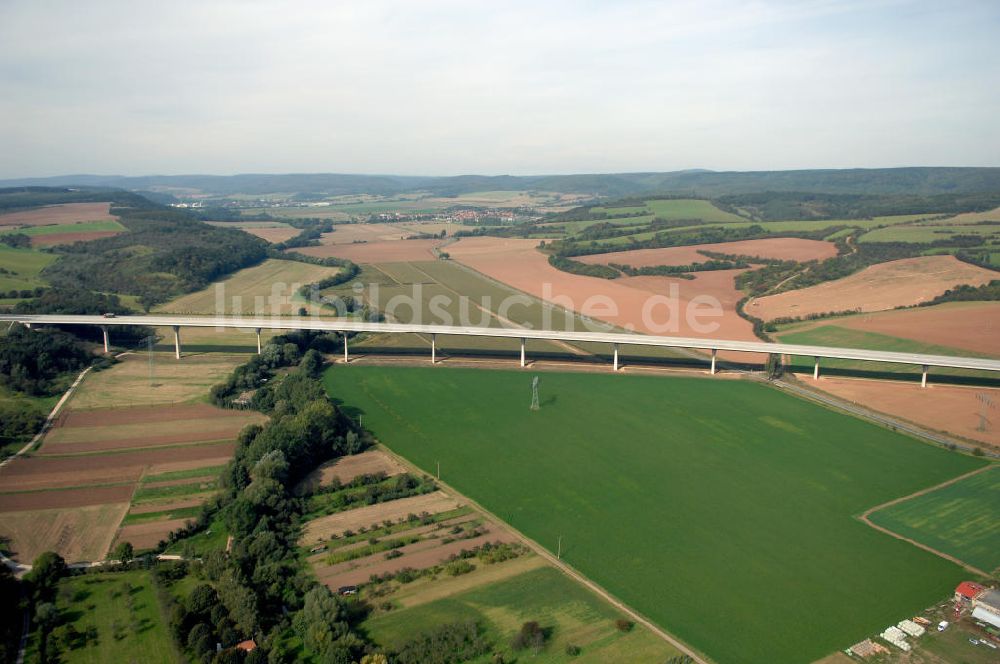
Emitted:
<point x="341" y="325"/>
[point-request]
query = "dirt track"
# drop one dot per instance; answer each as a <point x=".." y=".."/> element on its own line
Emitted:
<point x="868" y="512"/>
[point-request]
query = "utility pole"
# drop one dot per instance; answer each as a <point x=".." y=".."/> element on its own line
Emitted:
<point x="439" y="470"/>
<point x="559" y="549"/>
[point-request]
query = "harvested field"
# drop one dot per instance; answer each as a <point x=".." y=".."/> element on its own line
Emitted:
<point x="972" y="217"/>
<point x="266" y="289"/>
<point x="127" y="383"/>
<point x="52" y="239"/>
<point x="273" y="235"/>
<point x="655" y="305"/>
<point x="104" y="417"/>
<point x="162" y="506"/>
<point x="335" y="524"/>
<point x="783" y="248"/>
<point x="64" y="498"/>
<point x="357" y="233"/>
<point x="180" y="431"/>
<point x="147" y="535"/>
<point x="347" y="468"/>
<point x="190" y="465"/>
<point x="389" y="251"/>
<point x="945" y="408"/>
<point x="26" y="473"/>
<point x="884" y="286"/>
<point x="66" y="213"/>
<point x="973" y="326"/>
<point x="418" y="556"/>
<point x="81" y="534"/>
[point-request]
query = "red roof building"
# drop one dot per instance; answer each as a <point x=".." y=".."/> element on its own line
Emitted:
<point x="968" y="591"/>
<point x="247" y="645"/>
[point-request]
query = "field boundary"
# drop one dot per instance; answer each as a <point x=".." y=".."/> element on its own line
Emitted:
<point x="563" y="567"/>
<point x="864" y="518"/>
<point x="53" y="414"/>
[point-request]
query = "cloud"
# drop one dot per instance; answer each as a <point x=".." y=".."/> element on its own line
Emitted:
<point x="453" y="87"/>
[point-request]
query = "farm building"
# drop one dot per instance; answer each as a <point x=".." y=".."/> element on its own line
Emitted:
<point x="986" y="607"/>
<point x="967" y="591"/>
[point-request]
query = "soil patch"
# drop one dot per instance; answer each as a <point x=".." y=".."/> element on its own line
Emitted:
<point x="322" y="528"/>
<point x="67" y="213"/>
<point x="782" y="248"/>
<point x="149" y="508"/>
<point x="69" y="238"/>
<point x="971" y="326"/>
<point x="148" y="534"/>
<point x="652" y="305"/>
<point x="63" y="498"/>
<point x="347" y="468"/>
<point x="101" y="417"/>
<point x="390" y="251"/>
<point x="80" y="534"/>
<point x="884" y="286"/>
<point x="25" y="473"/>
<point x="947" y="408"/>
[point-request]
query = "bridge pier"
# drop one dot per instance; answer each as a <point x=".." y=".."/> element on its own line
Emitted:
<point x="258" y="342"/>
<point x="434" y="348"/>
<point x="816" y="370"/>
<point x="714" y="353"/>
<point x="522" y="352"/>
<point x="616" y="356"/>
<point x="923" y="377"/>
<point x="347" y="358"/>
<point x="177" y="341"/>
<point x="107" y="346"/>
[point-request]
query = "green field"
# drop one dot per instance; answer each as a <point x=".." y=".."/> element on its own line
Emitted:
<point x="117" y="617"/>
<point x="833" y="335"/>
<point x="960" y="519"/>
<point x="574" y="615"/>
<point x="927" y="233"/>
<point x="24" y="266"/>
<point x="82" y="227"/>
<point x="721" y="509"/>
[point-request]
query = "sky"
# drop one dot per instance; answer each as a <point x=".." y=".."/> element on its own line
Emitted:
<point x="438" y="87"/>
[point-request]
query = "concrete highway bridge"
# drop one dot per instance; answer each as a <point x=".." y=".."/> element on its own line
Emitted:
<point x="612" y="339"/>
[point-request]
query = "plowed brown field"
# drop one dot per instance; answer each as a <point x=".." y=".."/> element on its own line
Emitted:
<point x="53" y="239"/>
<point x="971" y="326"/>
<point x="941" y="407"/>
<point x="884" y="286"/>
<point x="102" y="417"/>
<point x="147" y="535"/>
<point x="389" y="251"/>
<point x="517" y="263"/>
<point x="65" y="498"/>
<point x="782" y="248"/>
<point x="66" y="213"/>
<point x="54" y="472"/>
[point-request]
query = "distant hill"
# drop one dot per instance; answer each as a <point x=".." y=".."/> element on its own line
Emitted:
<point x="923" y="180"/>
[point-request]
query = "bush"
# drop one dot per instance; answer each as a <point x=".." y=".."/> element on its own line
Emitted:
<point x="531" y="636"/>
<point x="459" y="567"/>
<point x="572" y="650"/>
<point x="623" y="625"/>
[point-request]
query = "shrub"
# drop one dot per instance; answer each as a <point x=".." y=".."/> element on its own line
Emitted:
<point x="623" y="625"/>
<point x="531" y="636"/>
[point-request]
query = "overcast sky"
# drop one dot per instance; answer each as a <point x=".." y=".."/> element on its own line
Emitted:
<point x="442" y="88"/>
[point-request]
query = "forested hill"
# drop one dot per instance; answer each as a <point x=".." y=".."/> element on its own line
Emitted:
<point x="922" y="180"/>
<point x="166" y="251"/>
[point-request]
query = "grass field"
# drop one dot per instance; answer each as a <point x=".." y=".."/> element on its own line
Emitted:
<point x="265" y="289"/>
<point x="704" y="504"/>
<point x="927" y="233"/>
<point x="25" y="266"/>
<point x="118" y="618"/>
<point x="960" y="519"/>
<point x="128" y="382"/>
<point x="574" y="615"/>
<point x="82" y="227"/>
